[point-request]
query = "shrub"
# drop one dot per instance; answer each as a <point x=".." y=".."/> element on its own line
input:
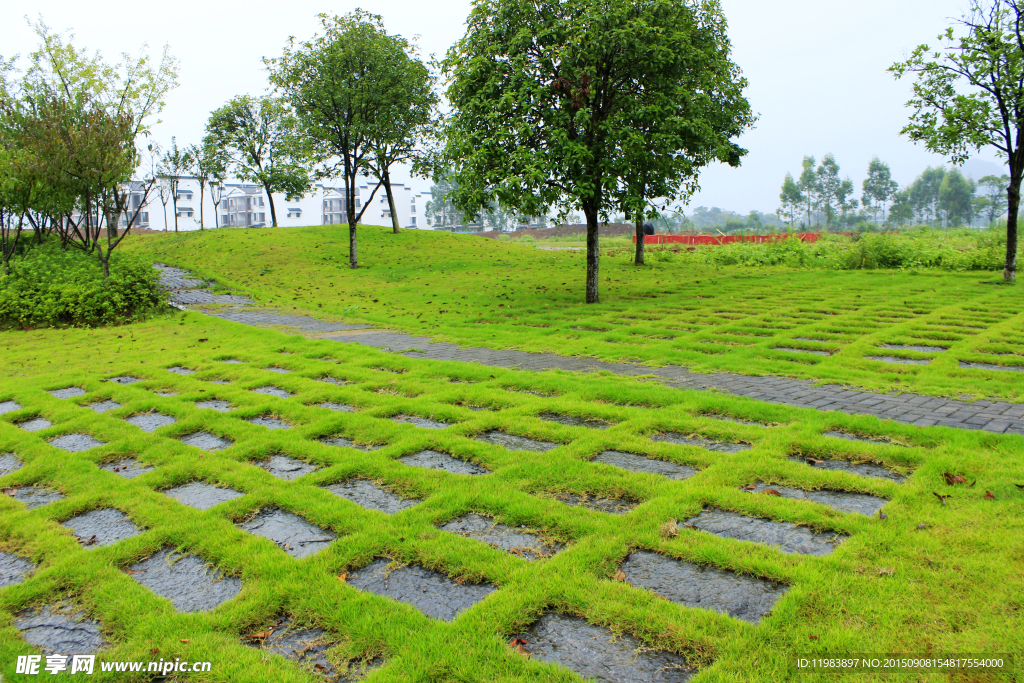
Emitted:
<point x="48" y="287"/>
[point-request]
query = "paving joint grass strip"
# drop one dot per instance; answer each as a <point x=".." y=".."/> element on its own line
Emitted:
<point x="436" y="460"/>
<point x="13" y="568"/>
<point x="34" y="496"/>
<point x="9" y="407"/>
<point x="433" y="593"/>
<point x="422" y="422"/>
<point x="519" y="542"/>
<point x="343" y="442"/>
<point x="129" y="468"/>
<point x="205" y="441"/>
<point x="515" y="443"/>
<point x="787" y="537"/>
<point x="150" y="422"/>
<point x="273" y="391"/>
<point x="596" y="653"/>
<point x="700" y="442"/>
<point x="863" y="469"/>
<point x="70" y="392"/>
<point x="9" y="463"/>
<point x="35" y="425"/>
<point x="75" y="443"/>
<point x="844" y="501"/>
<point x="573" y="421"/>
<point x="897" y="360"/>
<point x="269" y="421"/>
<point x="283" y="467"/>
<point x="992" y="366"/>
<point x="201" y="495"/>
<point x="642" y="463"/>
<point x="293" y="534"/>
<point x="104" y="527"/>
<point x="185" y="580"/>
<point x="371" y="496"/>
<point x="60" y="629"/>
<point x="615" y="506"/>
<point x="104" y="406"/>
<point x="741" y="596"/>
<point x="215" y="404"/>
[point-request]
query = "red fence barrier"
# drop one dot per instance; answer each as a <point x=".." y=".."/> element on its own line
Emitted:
<point x="725" y="239"/>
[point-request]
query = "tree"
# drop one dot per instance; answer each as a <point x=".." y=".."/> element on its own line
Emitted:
<point x="808" y="185"/>
<point x="879" y="188"/>
<point x="174" y="165"/>
<point x="791" y="199"/>
<point x="259" y="137"/>
<point x="547" y="96"/>
<point x="924" y="194"/>
<point x="955" y="202"/>
<point x="209" y="165"/>
<point x="832" y="192"/>
<point x="994" y="194"/>
<point x="441" y="212"/>
<point x="902" y="210"/>
<point x="337" y="82"/>
<point x="987" y="60"/>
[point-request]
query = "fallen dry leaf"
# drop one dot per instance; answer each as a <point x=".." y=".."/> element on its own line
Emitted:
<point x="750" y="487"/>
<point x="886" y="571"/>
<point x="186" y="641"/>
<point x="517" y="644"/>
<point x="343" y="576"/>
<point x="942" y="499"/>
<point x="953" y="479"/>
<point x="262" y="634"/>
<point x="670" y="529"/>
<point x="1020" y="486"/>
<point x="813" y="637"/>
<point x="202" y="340"/>
<point x="814" y="461"/>
<point x="154" y="651"/>
<point x="133" y="572"/>
<point x="620" y="575"/>
<point x="989" y="495"/>
<point x="771" y="492"/>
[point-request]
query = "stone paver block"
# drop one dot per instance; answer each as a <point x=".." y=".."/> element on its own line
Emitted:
<point x="70" y="392"/>
<point x="202" y="496"/>
<point x="100" y="528"/>
<point x="104" y="406"/>
<point x="525" y="544"/>
<point x="291" y="533"/>
<point x="13" y="569"/>
<point x="150" y="422"/>
<point x="35" y="425"/>
<point x="129" y="468"/>
<point x="700" y="442"/>
<point x="205" y="441"/>
<point x="515" y="443"/>
<point x="283" y="467"/>
<point x="435" y="460"/>
<point x="60" y="629"/>
<point x="9" y="463"/>
<point x="185" y="580"/>
<point x="789" y="538"/>
<point x="434" y="594"/>
<point x="371" y="496"/>
<point x="422" y="422"/>
<point x="641" y="463"/>
<point x="75" y="443"/>
<point x="273" y="391"/>
<point x="840" y="500"/>
<point x="9" y="407"/>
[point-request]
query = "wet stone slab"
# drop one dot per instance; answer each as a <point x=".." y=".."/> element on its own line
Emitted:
<point x="205" y="441"/>
<point x="124" y="379"/>
<point x="201" y="495"/>
<point x="422" y="422"/>
<point x="342" y="442"/>
<point x="215" y="404"/>
<point x="9" y="463"/>
<point x="992" y="366"/>
<point x="436" y="460"/>
<point x="185" y="580"/>
<point x="75" y="443"/>
<point x="150" y="422"/>
<point x="789" y="538"/>
<point x="104" y="406"/>
<point x="283" y="467"/>
<point x="35" y="496"/>
<point x="333" y="380"/>
<point x="279" y="370"/>
<point x="309" y="646"/>
<point x="233" y="361"/>
<point x="9" y="407"/>
<point x="839" y="500"/>
<point x="815" y="352"/>
<point x="129" y="468"/>
<point x="291" y="533"/>
<point x="35" y="425"/>
<point x="434" y="594"/>
<point x="178" y="370"/>
<point x="525" y="544"/>
<point x="912" y="347"/>
<point x="641" y="463"/>
<point x="863" y="469"/>
<point x="700" y="442"/>
<point x="744" y="597"/>
<point x="371" y="496"/>
<point x="273" y="391"/>
<point x="60" y="629"/>
<point x="615" y="506"/>
<point x="338" y="407"/>
<point x="222" y="382"/>
<point x="13" y="568"/>
<point x="100" y="528"/>
<point x="734" y="420"/>
<point x="596" y="653"/>
<point x="69" y="392"/>
<point x="898" y="360"/>
<point x="166" y="394"/>
<point x="515" y="443"/>
<point x="854" y="437"/>
<point x="269" y="421"/>
<point x="573" y="421"/>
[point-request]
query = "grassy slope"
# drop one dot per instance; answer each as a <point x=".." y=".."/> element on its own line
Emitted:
<point x="483" y="292"/>
<point x="955" y="586"/>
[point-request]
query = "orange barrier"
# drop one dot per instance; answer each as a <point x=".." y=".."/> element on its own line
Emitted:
<point x="725" y="239"/>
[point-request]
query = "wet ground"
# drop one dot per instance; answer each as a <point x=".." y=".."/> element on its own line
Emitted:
<point x="13" y="568"/>
<point x="854" y="437"/>
<point x="343" y="442"/>
<point x="283" y="467"/>
<point x="435" y="460"/>
<point x="206" y="441"/>
<point x="104" y="406"/>
<point x="309" y="646"/>
<point x="515" y="443"/>
<point x="434" y="594"/>
<point x="185" y="580"/>
<point x="422" y="422"/>
<point x="700" y="442"/>
<point x="60" y="629"/>
<point x="273" y="391"/>
<point x="269" y="421"/>
<point x="573" y="421"/>
<point x="641" y="463"/>
<point x="896" y="360"/>
<point x="129" y="468"/>
<point x="75" y="443"/>
<point x="100" y="528"/>
<point x="124" y="379"/>
<point x="150" y="422"/>
<point x="863" y="469"/>
<point x="519" y="542"/>
<point x="371" y="496"/>
<point x="201" y="496"/>
<point x="35" y="496"/>
<point x="215" y="404"/>
<point x="339" y="407"/>
<point x="9" y="463"/>
<point x="838" y="500"/>
<point x="789" y="538"/>
<point x="911" y="347"/>
<point x="291" y="533"/>
<point x="615" y="506"/>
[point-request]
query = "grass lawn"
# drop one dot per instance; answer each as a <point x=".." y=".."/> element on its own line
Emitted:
<point x="929" y="578"/>
<point x="847" y="327"/>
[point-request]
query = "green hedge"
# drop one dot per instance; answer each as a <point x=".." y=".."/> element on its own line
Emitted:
<point x="49" y="287"/>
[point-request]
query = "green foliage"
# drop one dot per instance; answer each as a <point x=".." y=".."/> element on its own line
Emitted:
<point x="51" y="287"/>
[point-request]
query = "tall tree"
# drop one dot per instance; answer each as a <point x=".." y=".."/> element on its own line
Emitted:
<point x="969" y="94"/>
<point x="830" y="188"/>
<point x="879" y="189"/>
<point x="994" y="192"/>
<point x="924" y="194"/>
<point x="791" y="199"/>
<point x="544" y="92"/>
<point x="209" y="166"/>
<point x="808" y="185"/>
<point x="902" y="210"/>
<point x="955" y="199"/>
<point x="337" y="82"/>
<point x="260" y="137"/>
<point x="174" y="166"/>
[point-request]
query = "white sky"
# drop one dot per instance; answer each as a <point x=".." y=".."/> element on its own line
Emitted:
<point x="817" y="70"/>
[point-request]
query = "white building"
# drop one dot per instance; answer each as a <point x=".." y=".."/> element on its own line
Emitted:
<point x="246" y="205"/>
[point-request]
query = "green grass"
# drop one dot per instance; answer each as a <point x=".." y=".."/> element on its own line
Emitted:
<point x="677" y="310"/>
<point x="954" y="586"/>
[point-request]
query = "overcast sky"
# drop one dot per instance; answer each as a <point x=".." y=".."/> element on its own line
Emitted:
<point x="817" y="70"/>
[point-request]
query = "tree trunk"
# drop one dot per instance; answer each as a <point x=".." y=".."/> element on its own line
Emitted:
<point x="391" y="198"/>
<point x="593" y="256"/>
<point x="202" y="188"/>
<point x="216" y="214"/>
<point x="273" y="211"/>
<point x="638" y="260"/>
<point x="175" y="198"/>
<point x="1012" y="205"/>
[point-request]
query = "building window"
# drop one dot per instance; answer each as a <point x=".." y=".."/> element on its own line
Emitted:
<point x="294" y="213"/>
<point x="412" y="220"/>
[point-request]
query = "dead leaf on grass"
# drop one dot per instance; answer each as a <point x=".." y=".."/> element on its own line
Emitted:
<point x="133" y="572"/>
<point x="989" y="495"/>
<point x="343" y="577"/>
<point x="953" y="479"/>
<point x="750" y="487"/>
<point x="942" y="499"/>
<point x="186" y="641"/>
<point x="814" y="461"/>
<point x="886" y="571"/>
<point x="517" y="644"/>
<point x="260" y="635"/>
<point x="620" y="575"/>
<point x="771" y="492"/>
<point x="669" y="529"/>
<point x="813" y="637"/>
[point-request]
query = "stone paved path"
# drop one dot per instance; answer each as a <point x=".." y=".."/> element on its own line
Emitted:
<point x="924" y="411"/>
